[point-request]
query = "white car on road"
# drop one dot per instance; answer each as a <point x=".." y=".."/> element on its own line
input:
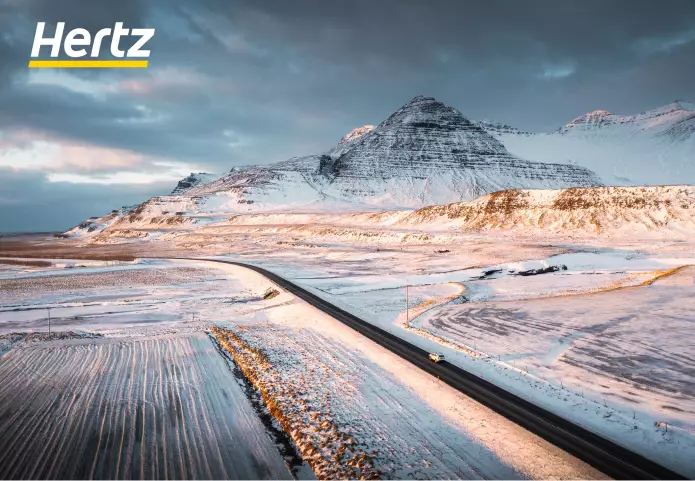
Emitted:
<point x="436" y="357"/>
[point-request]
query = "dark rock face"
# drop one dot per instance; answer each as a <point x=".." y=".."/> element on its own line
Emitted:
<point x="498" y="128"/>
<point x="542" y="270"/>
<point x="422" y="136"/>
<point x="327" y="166"/>
<point x="193" y="180"/>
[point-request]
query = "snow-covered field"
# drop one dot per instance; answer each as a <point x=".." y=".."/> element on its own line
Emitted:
<point x="326" y="377"/>
<point x="595" y="328"/>
<point x="131" y="385"/>
<point x="128" y="386"/>
<point x="165" y="407"/>
<point x="630" y="346"/>
<point x="601" y="335"/>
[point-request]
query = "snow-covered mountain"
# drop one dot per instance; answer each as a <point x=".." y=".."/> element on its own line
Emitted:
<point x="656" y="147"/>
<point x="94" y="225"/>
<point x="130" y="213"/>
<point x="356" y="133"/>
<point x="193" y="180"/>
<point x="425" y="153"/>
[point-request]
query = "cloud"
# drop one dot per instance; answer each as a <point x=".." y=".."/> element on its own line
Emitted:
<point x="665" y="43"/>
<point x="64" y="80"/>
<point x="29" y="202"/>
<point x="225" y="32"/>
<point x="129" y="178"/>
<point x="556" y="71"/>
<point x="31" y="150"/>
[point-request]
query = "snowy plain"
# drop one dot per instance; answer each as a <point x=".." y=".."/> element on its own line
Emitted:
<point x="592" y="324"/>
<point x="139" y="377"/>
<point x="128" y="385"/>
<point x="604" y="340"/>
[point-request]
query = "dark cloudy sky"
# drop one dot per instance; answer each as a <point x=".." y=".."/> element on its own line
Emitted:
<point x="242" y="82"/>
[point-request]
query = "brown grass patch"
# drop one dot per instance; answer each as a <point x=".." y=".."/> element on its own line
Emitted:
<point x="506" y="202"/>
<point x="331" y="453"/>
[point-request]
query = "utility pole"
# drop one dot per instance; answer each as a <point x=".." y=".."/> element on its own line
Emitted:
<point x="49" y="322"/>
<point x="407" y="312"/>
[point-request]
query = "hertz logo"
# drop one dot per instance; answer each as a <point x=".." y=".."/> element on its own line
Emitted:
<point x="78" y="39"/>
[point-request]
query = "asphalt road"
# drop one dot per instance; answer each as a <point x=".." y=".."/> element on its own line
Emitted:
<point x="606" y="456"/>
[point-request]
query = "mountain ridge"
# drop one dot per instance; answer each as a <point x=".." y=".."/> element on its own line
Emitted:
<point x="424" y="153"/>
<point x="193" y="180"/>
<point x="654" y="147"/>
<point x="427" y="150"/>
<point x="606" y="211"/>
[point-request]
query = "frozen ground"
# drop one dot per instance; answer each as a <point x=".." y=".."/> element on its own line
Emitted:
<point x="603" y="338"/>
<point x="140" y="390"/>
<point x="631" y="346"/>
<point x="326" y="377"/>
<point x="164" y="407"/>
<point x="596" y="330"/>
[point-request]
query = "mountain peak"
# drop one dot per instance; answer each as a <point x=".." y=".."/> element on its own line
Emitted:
<point x="678" y="105"/>
<point x="421" y="99"/>
<point x="427" y="113"/>
<point x="426" y="152"/>
<point x="590" y="120"/>
<point x="596" y="116"/>
<point x="193" y="180"/>
<point x="356" y="134"/>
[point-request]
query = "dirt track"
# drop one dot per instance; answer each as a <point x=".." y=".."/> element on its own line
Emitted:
<point x="39" y="246"/>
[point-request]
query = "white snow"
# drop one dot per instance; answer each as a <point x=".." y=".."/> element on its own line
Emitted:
<point x="408" y="422"/>
<point x="569" y="340"/>
<point x="656" y="147"/>
<point x="412" y="425"/>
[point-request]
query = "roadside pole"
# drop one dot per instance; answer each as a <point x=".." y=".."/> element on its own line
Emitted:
<point x="407" y="312"/>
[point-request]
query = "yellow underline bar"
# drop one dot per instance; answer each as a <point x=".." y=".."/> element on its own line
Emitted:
<point x="88" y="63"/>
